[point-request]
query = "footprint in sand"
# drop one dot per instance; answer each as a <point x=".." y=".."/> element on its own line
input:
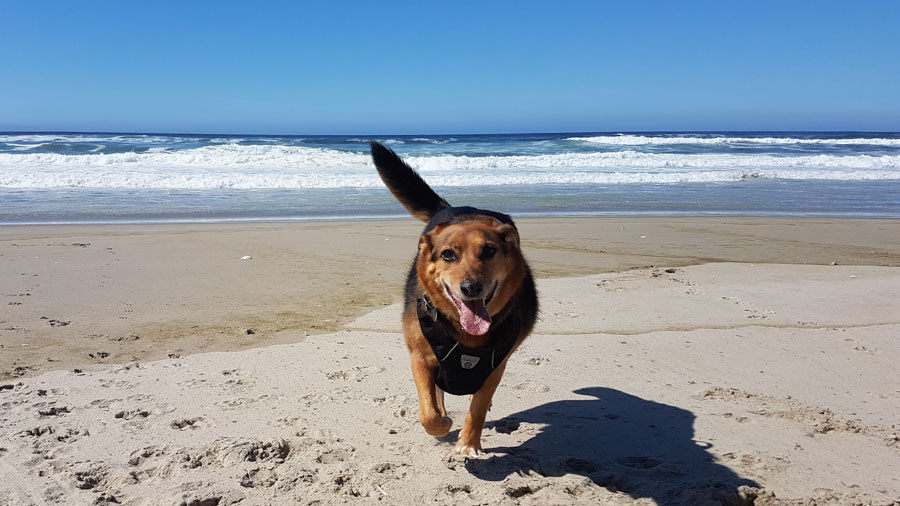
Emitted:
<point x="193" y="382"/>
<point x="103" y="404"/>
<point x="72" y="435"/>
<point x="391" y="400"/>
<point x="357" y="374"/>
<point x="187" y="423"/>
<point x="406" y="413"/>
<point x="287" y="421"/>
<point x="38" y="431"/>
<point x="54" y="411"/>
<point x="638" y="462"/>
<point x="519" y="491"/>
<point x="860" y="347"/>
<point x="119" y="339"/>
<point x="316" y="398"/>
<point x="335" y="456"/>
<point x="757" y="465"/>
<point x="816" y="420"/>
<point x="89" y="477"/>
<point x="393" y="469"/>
<point x="504" y="426"/>
<point x="117" y="384"/>
<point x="238" y="384"/>
<point x="133" y="413"/>
<point x="243" y="401"/>
<point x="530" y="386"/>
<point x="458" y="491"/>
<point x="258" y="478"/>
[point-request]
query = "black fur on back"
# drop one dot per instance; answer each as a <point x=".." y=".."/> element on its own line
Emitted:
<point x="407" y="186"/>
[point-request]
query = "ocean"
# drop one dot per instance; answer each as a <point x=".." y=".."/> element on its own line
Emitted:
<point x="167" y="178"/>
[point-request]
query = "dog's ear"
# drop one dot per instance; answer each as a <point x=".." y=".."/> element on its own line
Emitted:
<point x="508" y="235"/>
<point x="426" y="244"/>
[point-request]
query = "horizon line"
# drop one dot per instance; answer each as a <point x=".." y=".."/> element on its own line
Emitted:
<point x="564" y="132"/>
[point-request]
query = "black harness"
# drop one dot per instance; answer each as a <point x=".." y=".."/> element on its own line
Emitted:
<point x="463" y="370"/>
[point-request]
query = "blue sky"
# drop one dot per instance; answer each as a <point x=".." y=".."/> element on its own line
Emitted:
<point x="449" y="67"/>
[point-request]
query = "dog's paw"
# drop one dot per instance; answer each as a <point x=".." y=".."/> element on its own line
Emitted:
<point x="438" y="426"/>
<point x="470" y="450"/>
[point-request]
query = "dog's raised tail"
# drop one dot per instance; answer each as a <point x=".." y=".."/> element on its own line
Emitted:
<point x="407" y="186"/>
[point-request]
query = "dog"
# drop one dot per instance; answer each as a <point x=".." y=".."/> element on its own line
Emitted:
<point x="470" y="301"/>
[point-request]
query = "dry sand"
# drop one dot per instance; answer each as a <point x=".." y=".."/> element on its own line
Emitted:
<point x="677" y="361"/>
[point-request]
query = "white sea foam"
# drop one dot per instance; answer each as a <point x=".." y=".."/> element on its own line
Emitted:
<point x="433" y="141"/>
<point x="17" y="146"/>
<point x="383" y="141"/>
<point x="637" y="140"/>
<point x="275" y="166"/>
<point x="76" y="138"/>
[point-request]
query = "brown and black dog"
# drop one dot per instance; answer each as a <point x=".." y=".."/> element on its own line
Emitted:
<point x="470" y="301"/>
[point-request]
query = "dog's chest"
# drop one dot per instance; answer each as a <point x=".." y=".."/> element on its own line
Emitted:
<point x="464" y="370"/>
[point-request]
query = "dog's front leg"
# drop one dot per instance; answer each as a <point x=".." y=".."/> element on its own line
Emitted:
<point x="431" y="403"/>
<point x="439" y="396"/>
<point x="470" y="435"/>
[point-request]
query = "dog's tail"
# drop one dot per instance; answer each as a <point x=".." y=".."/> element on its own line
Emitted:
<point x="416" y="196"/>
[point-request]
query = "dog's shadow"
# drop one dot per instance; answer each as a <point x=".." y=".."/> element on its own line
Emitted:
<point x="619" y="441"/>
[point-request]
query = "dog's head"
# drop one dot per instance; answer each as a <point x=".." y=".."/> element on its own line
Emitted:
<point x="471" y="268"/>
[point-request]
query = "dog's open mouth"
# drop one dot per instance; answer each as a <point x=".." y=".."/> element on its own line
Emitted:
<point x="473" y="313"/>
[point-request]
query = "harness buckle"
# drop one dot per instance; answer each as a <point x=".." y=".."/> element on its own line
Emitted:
<point x="430" y="309"/>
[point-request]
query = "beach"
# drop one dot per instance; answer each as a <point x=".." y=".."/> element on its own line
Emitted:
<point x="206" y="244"/>
<point x="676" y="360"/>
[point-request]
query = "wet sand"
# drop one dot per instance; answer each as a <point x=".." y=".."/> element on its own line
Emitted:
<point x="79" y="296"/>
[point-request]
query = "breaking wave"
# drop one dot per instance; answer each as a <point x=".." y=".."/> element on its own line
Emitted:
<point x="637" y="140"/>
<point x="279" y="166"/>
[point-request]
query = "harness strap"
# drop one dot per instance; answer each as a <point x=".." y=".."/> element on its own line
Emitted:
<point x="463" y="370"/>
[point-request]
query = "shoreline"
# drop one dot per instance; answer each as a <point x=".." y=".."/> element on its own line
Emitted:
<point x="83" y="296"/>
<point x="537" y="215"/>
<point x="742" y="198"/>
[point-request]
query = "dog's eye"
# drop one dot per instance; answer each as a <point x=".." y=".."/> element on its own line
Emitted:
<point x="448" y="255"/>
<point x="487" y="252"/>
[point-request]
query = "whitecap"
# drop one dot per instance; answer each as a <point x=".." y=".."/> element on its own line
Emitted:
<point x="278" y="166"/>
<point x="638" y="140"/>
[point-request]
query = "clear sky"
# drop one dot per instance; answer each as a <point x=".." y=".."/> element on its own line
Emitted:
<point x="449" y="67"/>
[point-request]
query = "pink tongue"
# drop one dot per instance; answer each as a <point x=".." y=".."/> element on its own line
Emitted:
<point x="474" y="317"/>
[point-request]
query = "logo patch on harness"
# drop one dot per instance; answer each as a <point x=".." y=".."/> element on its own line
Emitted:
<point x="468" y="361"/>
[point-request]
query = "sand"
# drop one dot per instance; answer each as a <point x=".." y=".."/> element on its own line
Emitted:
<point x="676" y="361"/>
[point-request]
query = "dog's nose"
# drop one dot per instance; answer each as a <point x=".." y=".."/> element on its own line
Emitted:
<point x="471" y="288"/>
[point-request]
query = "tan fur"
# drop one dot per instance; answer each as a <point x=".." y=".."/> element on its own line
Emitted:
<point x="503" y="272"/>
